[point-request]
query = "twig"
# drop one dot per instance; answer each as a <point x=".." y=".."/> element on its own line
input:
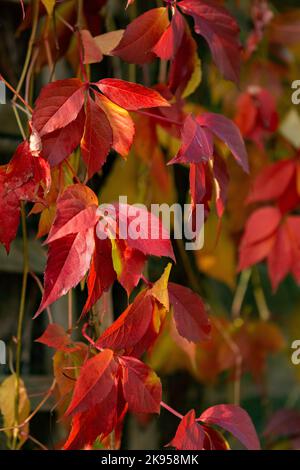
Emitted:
<point x="171" y="410"/>
<point x="40" y="285"/>
<point x="238" y="360"/>
<point x="21" y="318"/>
<point x="30" y="46"/>
<point x="240" y="293"/>
<point x="259" y="295"/>
<point x="16" y="94"/>
<point x="70" y="310"/>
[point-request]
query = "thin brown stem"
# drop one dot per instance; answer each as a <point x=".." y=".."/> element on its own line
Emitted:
<point x="171" y="410"/>
<point x="35" y="17"/>
<point x="237" y="357"/>
<point x="259" y="295"/>
<point x="240" y="293"/>
<point x="70" y="310"/>
<point x="21" y="319"/>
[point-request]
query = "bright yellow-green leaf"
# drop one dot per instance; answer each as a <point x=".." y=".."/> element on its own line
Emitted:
<point x="195" y="79"/>
<point x="7" y="408"/>
<point x="159" y="289"/>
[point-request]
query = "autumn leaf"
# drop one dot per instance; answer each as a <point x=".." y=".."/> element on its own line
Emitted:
<point x="189" y="435"/>
<point x="95" y="382"/>
<point x="191" y="432"/>
<point x="96" y="420"/>
<point x="7" y="407"/>
<point x="130" y="96"/>
<point x="130" y="328"/>
<point x="189" y="313"/>
<point x="58" y="104"/>
<point x="170" y="40"/>
<point x="235" y="420"/>
<point x="56" y="337"/>
<point x="71" y="243"/>
<point x="121" y="124"/>
<point x="141" y="35"/>
<point x="101" y="274"/>
<point x="97" y="138"/>
<point x="25" y="178"/>
<point x="141" y="386"/>
<point x="91" y="52"/>
<point x="221" y="32"/>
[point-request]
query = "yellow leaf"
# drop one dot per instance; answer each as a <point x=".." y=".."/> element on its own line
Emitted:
<point x="108" y="41"/>
<point x="195" y="79"/>
<point x="7" y="407"/>
<point x="159" y="290"/>
<point x="49" y="5"/>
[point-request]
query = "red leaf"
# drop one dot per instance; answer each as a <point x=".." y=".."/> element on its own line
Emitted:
<point x="133" y="262"/>
<point x="10" y="208"/>
<point x="127" y="331"/>
<point x="95" y="382"/>
<point x="100" y="419"/>
<point x="235" y="420"/>
<point x="272" y="181"/>
<point x="221" y="32"/>
<point x="141" y="35"/>
<point x="189" y="313"/>
<point x="56" y="337"/>
<point x="61" y="143"/>
<point x="101" y="274"/>
<point x="91" y="52"/>
<point x="130" y="96"/>
<point x="120" y="122"/>
<point x="76" y="212"/>
<point x="145" y="231"/>
<point x="293" y="228"/>
<point x="183" y="65"/>
<point x="142" y="387"/>
<point x="97" y="138"/>
<point x="227" y="131"/>
<point x="280" y="257"/>
<point x="58" y="104"/>
<point x="256" y="114"/>
<point x="25" y="178"/>
<point x="189" y="435"/>
<point x="171" y="39"/>
<point x="68" y="261"/>
<point x="261" y="224"/>
<point x="196" y="143"/>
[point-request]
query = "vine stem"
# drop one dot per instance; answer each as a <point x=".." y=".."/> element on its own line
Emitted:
<point x="21" y="319"/>
<point x="240" y="293"/>
<point x="160" y="118"/>
<point x="259" y="295"/>
<point x="171" y="410"/>
<point x="237" y="357"/>
<point x="30" y="47"/>
<point x="16" y="94"/>
<point x="70" y="310"/>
